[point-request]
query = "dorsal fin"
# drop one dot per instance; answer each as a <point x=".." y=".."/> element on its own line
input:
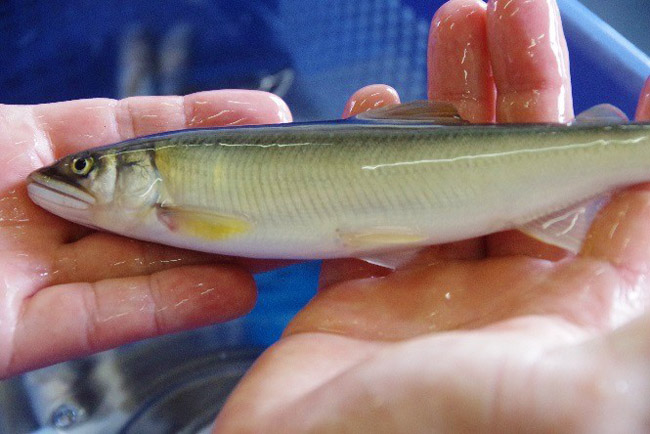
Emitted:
<point x="602" y="114"/>
<point x="421" y="111"/>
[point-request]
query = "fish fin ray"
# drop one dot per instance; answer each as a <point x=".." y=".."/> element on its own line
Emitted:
<point x="389" y="247"/>
<point x="566" y="228"/>
<point x="392" y="259"/>
<point x="422" y="111"/>
<point x="202" y="224"/>
<point x="601" y="114"/>
<point x="379" y="238"/>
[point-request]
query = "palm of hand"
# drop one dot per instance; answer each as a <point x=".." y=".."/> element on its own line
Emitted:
<point x="494" y="334"/>
<point x="459" y="343"/>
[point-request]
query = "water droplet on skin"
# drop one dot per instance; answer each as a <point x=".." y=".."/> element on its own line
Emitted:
<point x="448" y="296"/>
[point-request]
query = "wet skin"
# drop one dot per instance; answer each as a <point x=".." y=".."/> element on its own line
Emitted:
<point x="498" y="333"/>
<point x="68" y="291"/>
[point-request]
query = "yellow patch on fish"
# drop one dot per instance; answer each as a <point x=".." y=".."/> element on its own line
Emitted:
<point x="202" y="224"/>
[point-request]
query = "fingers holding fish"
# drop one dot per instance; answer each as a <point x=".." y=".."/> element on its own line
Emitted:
<point x="458" y="61"/>
<point x="72" y="320"/>
<point x="75" y="125"/>
<point x="367" y="98"/>
<point x="370" y="97"/>
<point x="107" y="256"/>
<point x="531" y="70"/>
<point x="530" y="61"/>
<point x="232" y="107"/>
<point x="72" y="126"/>
<point x="336" y="270"/>
<point x="643" y="109"/>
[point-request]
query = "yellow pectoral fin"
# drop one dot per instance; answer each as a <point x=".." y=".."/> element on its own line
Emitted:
<point x="203" y="224"/>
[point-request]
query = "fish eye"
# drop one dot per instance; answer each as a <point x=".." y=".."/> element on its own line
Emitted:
<point x="82" y="166"/>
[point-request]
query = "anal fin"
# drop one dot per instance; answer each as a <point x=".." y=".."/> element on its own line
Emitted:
<point x="389" y="247"/>
<point x="379" y="238"/>
<point x="567" y="228"/>
<point x="392" y="259"/>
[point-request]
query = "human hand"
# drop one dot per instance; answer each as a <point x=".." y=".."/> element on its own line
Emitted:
<point x="500" y="333"/>
<point x="66" y="291"/>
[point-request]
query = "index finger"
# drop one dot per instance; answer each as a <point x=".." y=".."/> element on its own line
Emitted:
<point x="74" y="125"/>
<point x="458" y="61"/>
<point x="61" y="128"/>
<point x="33" y="136"/>
<point x="530" y="61"/>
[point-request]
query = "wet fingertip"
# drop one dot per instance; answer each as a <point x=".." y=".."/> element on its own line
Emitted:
<point x="370" y="97"/>
<point x="232" y="107"/>
<point x="282" y="110"/>
<point x="452" y="6"/>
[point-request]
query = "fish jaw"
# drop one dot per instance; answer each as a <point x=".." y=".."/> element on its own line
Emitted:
<point x="60" y="198"/>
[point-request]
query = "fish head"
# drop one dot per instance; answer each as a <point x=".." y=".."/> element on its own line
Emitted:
<point x="107" y="189"/>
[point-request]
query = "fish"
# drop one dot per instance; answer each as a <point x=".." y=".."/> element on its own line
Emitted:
<point x="391" y="179"/>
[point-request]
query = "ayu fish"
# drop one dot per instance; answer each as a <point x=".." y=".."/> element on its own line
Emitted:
<point x="393" y="178"/>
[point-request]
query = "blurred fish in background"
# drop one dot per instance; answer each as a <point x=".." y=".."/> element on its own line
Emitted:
<point x="173" y="59"/>
<point x="136" y="69"/>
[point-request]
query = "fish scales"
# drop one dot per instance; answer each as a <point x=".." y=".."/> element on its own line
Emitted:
<point x="393" y="175"/>
<point x="304" y="189"/>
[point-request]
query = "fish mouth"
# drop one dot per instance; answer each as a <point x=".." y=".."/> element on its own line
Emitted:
<point x="54" y="194"/>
